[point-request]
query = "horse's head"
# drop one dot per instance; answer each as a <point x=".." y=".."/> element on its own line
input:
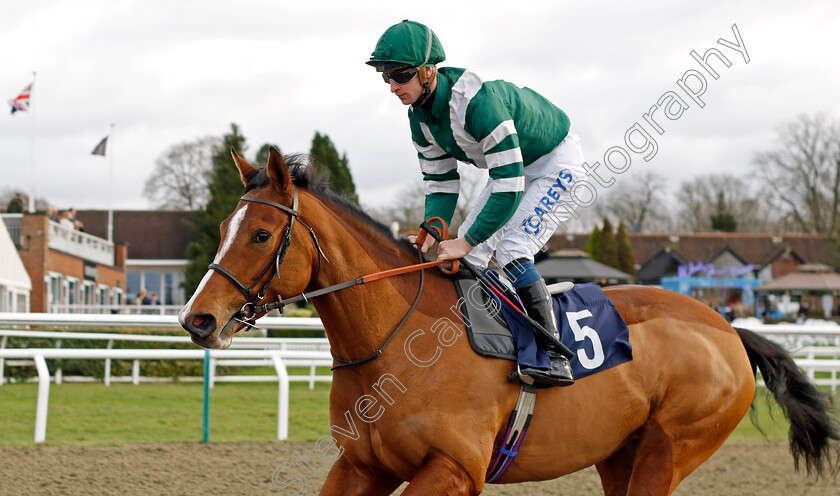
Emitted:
<point x="265" y="251"/>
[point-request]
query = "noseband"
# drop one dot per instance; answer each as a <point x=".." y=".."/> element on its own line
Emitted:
<point x="248" y="312"/>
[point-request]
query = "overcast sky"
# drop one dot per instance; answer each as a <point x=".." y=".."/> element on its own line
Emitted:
<point x="170" y="71"/>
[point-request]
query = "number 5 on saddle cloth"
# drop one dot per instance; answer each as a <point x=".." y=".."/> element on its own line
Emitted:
<point x="589" y="325"/>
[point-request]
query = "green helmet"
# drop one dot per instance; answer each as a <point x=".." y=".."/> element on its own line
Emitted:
<point x="407" y="43"/>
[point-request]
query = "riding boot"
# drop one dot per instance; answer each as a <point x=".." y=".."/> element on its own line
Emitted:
<point x="539" y="306"/>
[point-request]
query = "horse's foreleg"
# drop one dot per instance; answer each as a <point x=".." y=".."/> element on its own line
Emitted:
<point x="345" y="480"/>
<point x="441" y="475"/>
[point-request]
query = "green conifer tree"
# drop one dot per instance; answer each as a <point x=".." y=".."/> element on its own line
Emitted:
<point x="325" y="156"/>
<point x="626" y="260"/>
<point x="723" y="220"/>
<point x="225" y="188"/>
<point x="262" y="155"/>
<point x="593" y="244"/>
<point x="608" y="249"/>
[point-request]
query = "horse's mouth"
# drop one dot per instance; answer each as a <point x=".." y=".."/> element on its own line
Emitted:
<point x="221" y="341"/>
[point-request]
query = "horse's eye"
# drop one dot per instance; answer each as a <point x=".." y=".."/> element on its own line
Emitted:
<point x="261" y="236"/>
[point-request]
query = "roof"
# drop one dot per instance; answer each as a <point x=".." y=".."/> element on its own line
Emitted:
<point x="579" y="268"/>
<point x="149" y="234"/>
<point x="664" y="262"/>
<point x="812" y="277"/>
<point x="758" y="249"/>
<point x="12" y="271"/>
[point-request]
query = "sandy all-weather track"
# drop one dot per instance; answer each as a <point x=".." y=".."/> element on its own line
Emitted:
<point x="738" y="468"/>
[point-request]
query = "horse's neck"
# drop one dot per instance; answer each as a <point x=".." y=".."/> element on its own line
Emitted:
<point x="359" y="319"/>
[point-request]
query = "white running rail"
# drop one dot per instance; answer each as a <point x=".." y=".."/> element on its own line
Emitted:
<point x="278" y="358"/>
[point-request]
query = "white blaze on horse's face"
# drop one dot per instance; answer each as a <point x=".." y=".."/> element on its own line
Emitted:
<point x="232" y="233"/>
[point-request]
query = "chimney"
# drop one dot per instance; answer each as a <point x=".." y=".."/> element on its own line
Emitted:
<point x="120" y="255"/>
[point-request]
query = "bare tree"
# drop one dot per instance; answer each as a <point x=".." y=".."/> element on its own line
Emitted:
<point x="7" y="193"/>
<point x="409" y="206"/>
<point x="802" y="174"/>
<point x="473" y="181"/>
<point x="179" y="180"/>
<point x="703" y="197"/>
<point x="639" y="202"/>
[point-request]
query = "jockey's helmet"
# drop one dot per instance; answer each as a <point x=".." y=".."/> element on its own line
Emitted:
<point x="407" y="44"/>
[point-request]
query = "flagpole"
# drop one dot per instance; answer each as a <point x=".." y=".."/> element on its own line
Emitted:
<point x="32" y="153"/>
<point x="110" y="186"/>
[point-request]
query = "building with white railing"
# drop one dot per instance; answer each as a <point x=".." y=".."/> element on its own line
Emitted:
<point x="157" y="245"/>
<point x="67" y="268"/>
<point x="15" y="284"/>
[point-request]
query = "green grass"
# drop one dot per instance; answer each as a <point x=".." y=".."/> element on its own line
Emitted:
<point x="770" y="419"/>
<point x="91" y="414"/>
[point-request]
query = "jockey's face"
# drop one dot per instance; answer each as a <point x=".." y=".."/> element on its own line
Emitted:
<point x="409" y="93"/>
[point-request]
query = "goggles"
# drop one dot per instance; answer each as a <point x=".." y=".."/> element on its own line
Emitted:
<point x="400" y="76"/>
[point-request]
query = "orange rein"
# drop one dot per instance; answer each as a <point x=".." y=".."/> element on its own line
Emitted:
<point x="372" y="277"/>
<point x="444" y="233"/>
<point x="411" y="268"/>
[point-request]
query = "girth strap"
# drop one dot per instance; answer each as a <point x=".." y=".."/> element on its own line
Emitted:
<point x="520" y="419"/>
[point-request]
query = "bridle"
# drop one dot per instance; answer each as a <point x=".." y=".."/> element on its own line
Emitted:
<point x="248" y="313"/>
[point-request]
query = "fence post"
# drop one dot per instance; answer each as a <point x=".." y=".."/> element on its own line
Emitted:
<point x="212" y="372"/>
<point x="43" y="398"/>
<point x="311" y="377"/>
<point x="3" y="360"/>
<point x="58" y="373"/>
<point x="135" y="372"/>
<point x="108" y="364"/>
<point x="205" y="433"/>
<point x="283" y="398"/>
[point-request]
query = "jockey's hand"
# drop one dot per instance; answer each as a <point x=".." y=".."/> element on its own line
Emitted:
<point x="426" y="244"/>
<point x="453" y="249"/>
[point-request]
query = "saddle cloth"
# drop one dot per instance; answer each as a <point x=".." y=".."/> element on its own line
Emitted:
<point x="589" y="324"/>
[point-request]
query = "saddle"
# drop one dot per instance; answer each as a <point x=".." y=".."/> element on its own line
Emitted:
<point x="487" y="330"/>
<point x="589" y="324"/>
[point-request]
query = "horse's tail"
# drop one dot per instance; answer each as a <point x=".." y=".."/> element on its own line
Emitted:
<point x="812" y="428"/>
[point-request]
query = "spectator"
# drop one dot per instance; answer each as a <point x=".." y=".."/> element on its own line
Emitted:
<point x="67" y="221"/>
<point x="738" y="310"/>
<point x="803" y="312"/>
<point x="77" y="224"/>
<point x="154" y="299"/>
<point x="827" y="305"/>
<point x="52" y="213"/>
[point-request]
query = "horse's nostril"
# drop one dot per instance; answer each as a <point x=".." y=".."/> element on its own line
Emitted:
<point x="202" y="324"/>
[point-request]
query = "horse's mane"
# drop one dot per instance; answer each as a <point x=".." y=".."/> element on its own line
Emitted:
<point x="316" y="181"/>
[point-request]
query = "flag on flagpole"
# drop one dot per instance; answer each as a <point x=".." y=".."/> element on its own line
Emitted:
<point x="21" y="103"/>
<point x="100" y="148"/>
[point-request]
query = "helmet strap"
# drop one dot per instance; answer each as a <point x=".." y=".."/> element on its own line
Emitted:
<point x="427" y="90"/>
<point x="427" y="86"/>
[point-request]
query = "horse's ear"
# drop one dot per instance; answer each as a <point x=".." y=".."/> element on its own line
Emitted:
<point x="246" y="170"/>
<point x="277" y="171"/>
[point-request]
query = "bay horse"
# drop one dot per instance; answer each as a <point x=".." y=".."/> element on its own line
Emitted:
<point x="426" y="409"/>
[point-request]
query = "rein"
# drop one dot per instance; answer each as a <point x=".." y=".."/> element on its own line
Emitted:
<point x="249" y="311"/>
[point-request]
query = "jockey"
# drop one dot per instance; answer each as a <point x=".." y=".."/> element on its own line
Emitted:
<point x="515" y="133"/>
